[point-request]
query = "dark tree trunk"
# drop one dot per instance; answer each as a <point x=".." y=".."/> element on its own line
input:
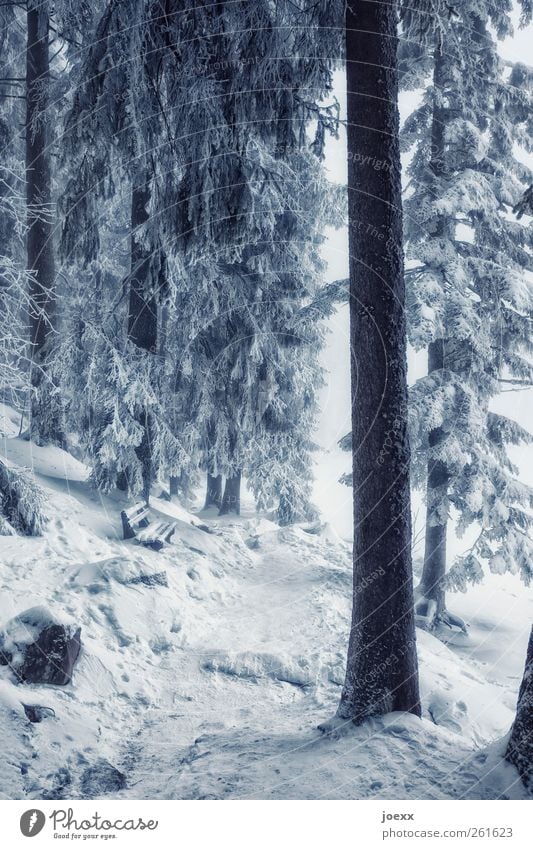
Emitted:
<point x="431" y="602"/>
<point x="122" y="482"/>
<point x="231" y="501"/>
<point x="182" y="486"/>
<point x="382" y="672"/>
<point x="142" y="313"/>
<point x="45" y="409"/>
<point x="213" y="495"/>
<point x="520" y="747"/>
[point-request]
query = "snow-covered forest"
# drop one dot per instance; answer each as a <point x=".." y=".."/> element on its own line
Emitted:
<point x="266" y="369"/>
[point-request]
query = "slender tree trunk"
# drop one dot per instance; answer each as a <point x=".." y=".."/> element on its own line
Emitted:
<point x="122" y="482"/>
<point x="182" y="486"/>
<point x="382" y="672"/>
<point x="286" y="512"/>
<point x="231" y="501"/>
<point x="213" y="495"/>
<point x="520" y="747"/>
<point x="45" y="415"/>
<point x="431" y="600"/>
<point x="142" y="313"/>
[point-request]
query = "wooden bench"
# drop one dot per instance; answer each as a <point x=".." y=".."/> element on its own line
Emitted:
<point x="156" y="534"/>
<point x="137" y="524"/>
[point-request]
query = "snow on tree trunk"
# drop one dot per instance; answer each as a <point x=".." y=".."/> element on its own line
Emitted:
<point x="213" y="495"/>
<point x="45" y="418"/>
<point x="142" y="312"/>
<point x="382" y="673"/>
<point x="520" y="747"/>
<point x="231" y="501"/>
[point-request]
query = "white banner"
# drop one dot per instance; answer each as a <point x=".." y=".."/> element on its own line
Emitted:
<point x="267" y="825"/>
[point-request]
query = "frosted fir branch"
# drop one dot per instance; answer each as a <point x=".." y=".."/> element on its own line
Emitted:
<point x="22" y="500"/>
<point x="525" y="204"/>
<point x="525" y="384"/>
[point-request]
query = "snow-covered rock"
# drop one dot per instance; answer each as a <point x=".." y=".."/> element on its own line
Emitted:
<point x="36" y="713"/>
<point x="100" y="778"/>
<point x="297" y="671"/>
<point x="40" y="647"/>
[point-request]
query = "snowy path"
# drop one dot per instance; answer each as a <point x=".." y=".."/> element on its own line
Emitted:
<point x="213" y="687"/>
<point x="249" y="729"/>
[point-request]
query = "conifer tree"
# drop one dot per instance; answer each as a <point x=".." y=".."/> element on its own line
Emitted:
<point x="116" y="118"/>
<point x="221" y="134"/>
<point x="249" y="222"/>
<point x="466" y="299"/>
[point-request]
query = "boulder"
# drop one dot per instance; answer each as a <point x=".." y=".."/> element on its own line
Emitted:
<point x="36" y="713"/>
<point x="97" y="577"/>
<point x="39" y="647"/>
<point x="100" y="778"/>
<point x="204" y="528"/>
<point x="156" y="579"/>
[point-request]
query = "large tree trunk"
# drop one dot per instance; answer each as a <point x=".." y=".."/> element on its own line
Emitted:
<point x="213" y="495"/>
<point x="231" y="501"/>
<point x="45" y="409"/>
<point x="520" y="748"/>
<point x="142" y="313"/>
<point x="382" y="672"/>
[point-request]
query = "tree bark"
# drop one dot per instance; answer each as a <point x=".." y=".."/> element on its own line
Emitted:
<point x="142" y="313"/>
<point x="45" y="414"/>
<point x="231" y="501"/>
<point x="382" y="672"/>
<point x="213" y="495"/>
<point x="520" y="747"/>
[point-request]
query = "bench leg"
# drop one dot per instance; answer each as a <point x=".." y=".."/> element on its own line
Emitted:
<point x="154" y="544"/>
<point x="127" y="530"/>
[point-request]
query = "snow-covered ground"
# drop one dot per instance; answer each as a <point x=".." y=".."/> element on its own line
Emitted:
<point x="213" y="687"/>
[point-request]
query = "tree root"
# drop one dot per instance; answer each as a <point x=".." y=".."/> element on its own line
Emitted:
<point x="429" y="617"/>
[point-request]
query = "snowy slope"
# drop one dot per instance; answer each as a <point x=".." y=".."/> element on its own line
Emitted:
<point x="213" y="686"/>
